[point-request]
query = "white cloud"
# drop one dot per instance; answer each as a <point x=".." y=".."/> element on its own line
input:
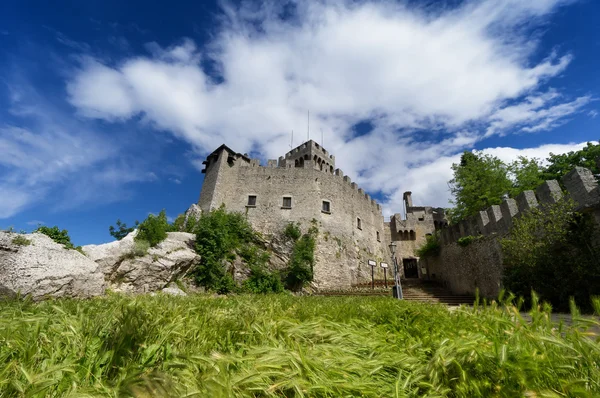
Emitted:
<point x="431" y="83"/>
<point x="345" y="61"/>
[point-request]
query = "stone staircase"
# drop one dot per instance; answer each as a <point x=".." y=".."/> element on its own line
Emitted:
<point x="412" y="289"/>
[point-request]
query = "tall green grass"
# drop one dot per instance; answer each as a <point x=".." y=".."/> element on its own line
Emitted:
<point x="279" y="345"/>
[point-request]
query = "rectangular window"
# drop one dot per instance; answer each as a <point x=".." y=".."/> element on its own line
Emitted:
<point x="326" y="208"/>
<point x="287" y="202"/>
<point x="251" y="200"/>
<point x="378" y="238"/>
<point x="358" y="223"/>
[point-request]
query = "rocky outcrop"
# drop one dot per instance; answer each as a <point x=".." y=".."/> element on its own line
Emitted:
<point x="141" y="272"/>
<point x="33" y="264"/>
<point x="192" y="215"/>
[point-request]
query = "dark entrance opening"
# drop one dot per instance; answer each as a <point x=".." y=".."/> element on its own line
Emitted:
<point x="410" y="268"/>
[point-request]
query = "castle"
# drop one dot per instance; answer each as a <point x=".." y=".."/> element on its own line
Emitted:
<point x="305" y="187"/>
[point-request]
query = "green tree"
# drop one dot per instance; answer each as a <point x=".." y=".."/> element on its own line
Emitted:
<point x="121" y="230"/>
<point x="551" y="250"/>
<point x="561" y="164"/>
<point x="479" y="181"/>
<point x="525" y="174"/>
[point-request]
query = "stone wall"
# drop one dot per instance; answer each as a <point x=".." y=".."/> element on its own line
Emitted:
<point x="342" y="247"/>
<point x="479" y="265"/>
<point x="465" y="269"/>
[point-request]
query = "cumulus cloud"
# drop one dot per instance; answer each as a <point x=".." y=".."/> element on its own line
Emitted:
<point x="401" y="67"/>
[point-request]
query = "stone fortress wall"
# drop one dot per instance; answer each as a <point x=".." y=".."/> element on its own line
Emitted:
<point x="351" y="226"/>
<point x="479" y="265"/>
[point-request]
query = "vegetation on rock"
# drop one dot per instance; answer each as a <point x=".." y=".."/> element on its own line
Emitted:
<point x="554" y="251"/>
<point x="20" y="240"/>
<point x="302" y="260"/>
<point x="57" y="235"/>
<point x="121" y="230"/>
<point x="286" y="346"/>
<point x="219" y="235"/>
<point x="292" y="231"/>
<point x="467" y="240"/>
<point x="431" y="247"/>
<point x="154" y="229"/>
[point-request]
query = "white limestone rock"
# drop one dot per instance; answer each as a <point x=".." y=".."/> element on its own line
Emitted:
<point x="169" y="260"/>
<point x="44" y="268"/>
<point x="192" y="214"/>
<point x="173" y="291"/>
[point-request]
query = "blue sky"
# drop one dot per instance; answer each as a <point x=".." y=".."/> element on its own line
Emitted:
<point x="108" y="108"/>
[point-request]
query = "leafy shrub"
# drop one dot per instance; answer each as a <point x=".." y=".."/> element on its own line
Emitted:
<point x="552" y="250"/>
<point x="122" y="230"/>
<point x="59" y="236"/>
<point x="20" y="240"/>
<point x="302" y="261"/>
<point x="140" y="248"/>
<point x="154" y="229"/>
<point x="292" y="231"/>
<point x="431" y="247"/>
<point x="262" y="281"/>
<point x="219" y="235"/>
<point x="467" y="240"/>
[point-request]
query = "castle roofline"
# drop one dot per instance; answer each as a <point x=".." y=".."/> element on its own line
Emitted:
<point x="224" y="147"/>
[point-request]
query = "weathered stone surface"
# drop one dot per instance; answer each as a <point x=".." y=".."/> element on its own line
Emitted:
<point x="549" y="192"/>
<point x="173" y="291"/>
<point x="169" y="260"/>
<point x="46" y="269"/>
<point x="582" y="187"/>
<point x="465" y="270"/>
<point x="192" y="214"/>
<point x="526" y="201"/>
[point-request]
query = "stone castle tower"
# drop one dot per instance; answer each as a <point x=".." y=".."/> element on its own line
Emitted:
<point x="304" y="186"/>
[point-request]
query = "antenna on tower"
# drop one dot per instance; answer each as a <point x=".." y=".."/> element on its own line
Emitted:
<point x="308" y="126"/>
<point x="292" y="140"/>
<point x="322" y="138"/>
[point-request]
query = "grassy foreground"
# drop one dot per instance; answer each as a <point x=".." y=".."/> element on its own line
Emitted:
<point x="263" y="346"/>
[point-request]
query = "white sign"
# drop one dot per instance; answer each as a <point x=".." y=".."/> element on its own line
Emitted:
<point x="372" y="263"/>
<point x="383" y="265"/>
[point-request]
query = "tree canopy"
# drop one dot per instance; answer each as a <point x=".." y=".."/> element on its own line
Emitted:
<point x="481" y="180"/>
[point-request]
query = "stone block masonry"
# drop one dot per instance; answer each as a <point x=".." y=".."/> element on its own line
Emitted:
<point x="479" y="265"/>
<point x="303" y="187"/>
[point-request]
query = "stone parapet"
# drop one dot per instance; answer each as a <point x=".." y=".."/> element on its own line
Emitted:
<point x="580" y="184"/>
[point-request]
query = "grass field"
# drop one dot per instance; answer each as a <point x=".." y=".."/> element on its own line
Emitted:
<point x="280" y="345"/>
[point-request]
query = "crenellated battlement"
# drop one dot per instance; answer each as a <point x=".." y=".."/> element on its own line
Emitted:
<point x="580" y="185"/>
<point x="309" y="155"/>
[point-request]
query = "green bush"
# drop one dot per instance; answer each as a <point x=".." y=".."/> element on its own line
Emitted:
<point x="121" y="230"/>
<point x="57" y="235"/>
<point x="467" y="240"/>
<point x="153" y="229"/>
<point x="431" y="247"/>
<point x="553" y="251"/>
<point x="292" y="231"/>
<point x="302" y="261"/>
<point x="219" y="235"/>
<point x="20" y="240"/>
<point x="262" y="281"/>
